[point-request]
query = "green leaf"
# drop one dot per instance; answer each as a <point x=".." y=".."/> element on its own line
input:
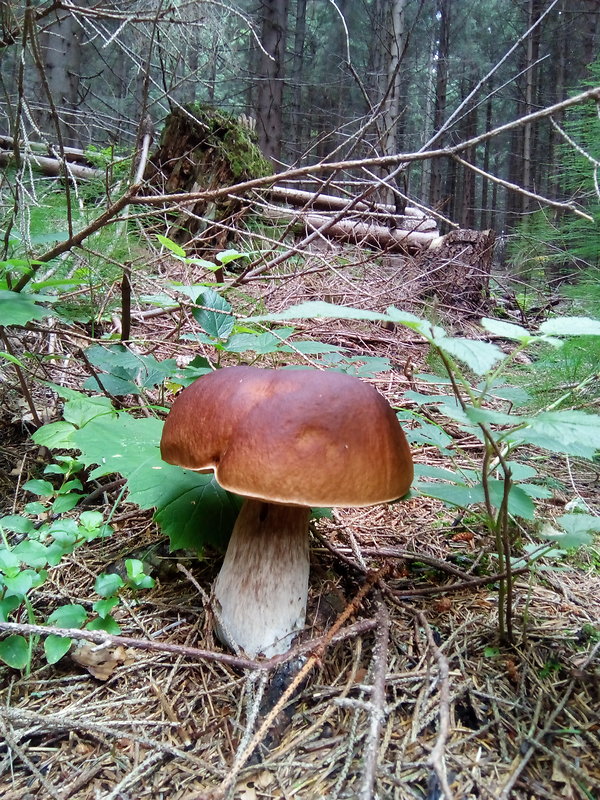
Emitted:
<point x="7" y="606"/>
<point x="107" y="624"/>
<point x="105" y="606"/>
<point x="16" y="523"/>
<point x="55" y="647"/>
<point x="193" y="510"/>
<point x="427" y="329"/>
<point x="81" y="409"/>
<point x="90" y="520"/>
<point x="14" y="651"/>
<point x="480" y="357"/>
<point x="573" y="432"/>
<point x="571" y="326"/>
<point x="55" y="435"/>
<point x="17" y="308"/>
<point x="311" y="348"/>
<point x="20" y="584"/>
<point x="32" y="553"/>
<point x="108" y="584"/>
<point x="508" y="330"/>
<point x="577" y="530"/>
<point x="68" y="616"/>
<point x="227" y="256"/>
<point x="65" y="502"/>
<point x="8" y="560"/>
<point x="319" y="309"/>
<point x="171" y="245"/>
<point x="120" y="444"/>
<point x="42" y="488"/>
<point x="212" y="319"/>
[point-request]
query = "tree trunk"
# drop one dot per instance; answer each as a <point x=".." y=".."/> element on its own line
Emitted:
<point x="441" y="84"/>
<point x="269" y="106"/>
<point x="297" y="120"/>
<point x="60" y="47"/>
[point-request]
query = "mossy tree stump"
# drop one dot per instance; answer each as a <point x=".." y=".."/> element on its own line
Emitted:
<point x="203" y="149"/>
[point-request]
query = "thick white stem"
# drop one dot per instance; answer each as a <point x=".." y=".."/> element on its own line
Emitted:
<point x="262" y="588"/>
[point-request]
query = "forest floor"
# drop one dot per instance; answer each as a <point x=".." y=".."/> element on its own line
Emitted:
<point x="416" y="685"/>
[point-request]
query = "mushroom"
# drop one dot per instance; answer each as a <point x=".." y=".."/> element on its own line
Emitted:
<point x="286" y="440"/>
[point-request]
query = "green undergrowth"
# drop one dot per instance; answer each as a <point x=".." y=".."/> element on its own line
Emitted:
<point x="102" y="436"/>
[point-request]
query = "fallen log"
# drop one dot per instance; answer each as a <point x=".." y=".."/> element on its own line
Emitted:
<point x="299" y="197"/>
<point x="371" y="234"/>
<point x="53" y="167"/>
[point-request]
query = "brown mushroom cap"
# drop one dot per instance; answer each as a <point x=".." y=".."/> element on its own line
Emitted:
<point x="298" y="437"/>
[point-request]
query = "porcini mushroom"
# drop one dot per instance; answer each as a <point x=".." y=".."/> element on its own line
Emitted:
<point x="287" y="440"/>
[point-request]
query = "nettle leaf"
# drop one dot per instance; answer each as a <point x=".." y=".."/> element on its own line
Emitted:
<point x="427" y="329"/>
<point x="571" y="326"/>
<point x="261" y="343"/>
<point x="216" y="319"/>
<point x="55" y="647"/>
<point x="572" y="432"/>
<point x="577" y="530"/>
<point x="319" y="309"/>
<point x="508" y="330"/>
<point x="480" y="357"/>
<point x="19" y="309"/>
<point x="14" y="651"/>
<point x="488" y="415"/>
<point x="79" y="410"/>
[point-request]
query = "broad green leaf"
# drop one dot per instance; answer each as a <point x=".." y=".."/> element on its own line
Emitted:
<point x="91" y="520"/>
<point x="40" y="487"/>
<point x="81" y="409"/>
<point x="452" y="494"/>
<point x="429" y="471"/>
<point x="32" y="553"/>
<point x="520" y="503"/>
<point x="307" y="347"/>
<point x="121" y="444"/>
<point x="508" y="330"/>
<point x="216" y="319"/>
<point x="68" y="616"/>
<point x="261" y="343"/>
<point x="55" y="647"/>
<point x="492" y="417"/>
<point x="55" y="435"/>
<point x="7" y="606"/>
<point x="105" y="606"/>
<point x="319" y="309"/>
<point x="192" y="509"/>
<point x="573" y="432"/>
<point x="8" y="560"/>
<point x="19" y="309"/>
<point x="65" y="502"/>
<point x="480" y="357"/>
<point x="171" y="245"/>
<point x="26" y="579"/>
<point x="14" y="651"/>
<point x="427" y="329"/>
<point x="113" y="384"/>
<point x="108" y="584"/>
<point x="107" y="624"/>
<point x="16" y="523"/>
<point x="571" y="326"/>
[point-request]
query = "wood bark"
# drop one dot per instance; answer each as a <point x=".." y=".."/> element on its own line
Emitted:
<point x="441" y="85"/>
<point x="269" y="106"/>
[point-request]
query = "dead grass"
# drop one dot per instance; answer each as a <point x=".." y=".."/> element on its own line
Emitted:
<point x="423" y="675"/>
